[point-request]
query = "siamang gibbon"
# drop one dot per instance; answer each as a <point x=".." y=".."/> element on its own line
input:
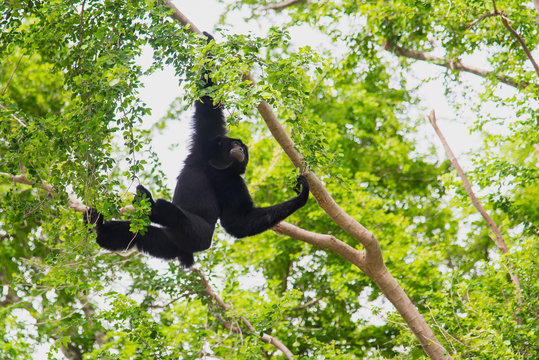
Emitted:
<point x="209" y="187"/>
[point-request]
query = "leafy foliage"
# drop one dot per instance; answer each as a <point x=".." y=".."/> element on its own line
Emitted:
<point x="71" y="117"/>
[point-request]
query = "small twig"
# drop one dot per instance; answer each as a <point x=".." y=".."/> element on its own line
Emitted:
<point x="281" y="5"/>
<point x="513" y="32"/>
<point x="11" y="77"/>
<point x="481" y="18"/>
<point x="307" y="304"/>
<point x="172" y="301"/>
<point x="63" y="317"/>
<point x="440" y="328"/>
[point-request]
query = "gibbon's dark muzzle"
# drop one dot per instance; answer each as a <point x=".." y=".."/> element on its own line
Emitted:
<point x="237" y="154"/>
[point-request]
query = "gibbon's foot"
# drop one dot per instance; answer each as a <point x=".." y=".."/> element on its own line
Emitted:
<point x="92" y="216"/>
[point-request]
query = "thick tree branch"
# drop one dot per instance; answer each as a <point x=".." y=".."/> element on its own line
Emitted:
<point x="498" y="238"/>
<point x="265" y="337"/>
<point x="328" y="242"/>
<point x="452" y="64"/>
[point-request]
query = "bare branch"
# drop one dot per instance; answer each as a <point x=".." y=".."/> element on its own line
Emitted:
<point x="328" y="242"/>
<point x="265" y="337"/>
<point x="498" y="238"/>
<point x="281" y="5"/>
<point x="500" y="242"/>
<point x="453" y="65"/>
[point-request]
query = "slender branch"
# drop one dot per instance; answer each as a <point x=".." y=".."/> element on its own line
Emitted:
<point x="308" y="303"/>
<point x="520" y="40"/>
<point x="479" y="19"/>
<point x="498" y="238"/>
<point x="265" y="337"/>
<point x="281" y="5"/>
<point x="186" y="294"/>
<point x="453" y="65"/>
<point x="11" y="77"/>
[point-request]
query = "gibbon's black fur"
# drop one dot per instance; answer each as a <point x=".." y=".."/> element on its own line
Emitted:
<point x="209" y="187"/>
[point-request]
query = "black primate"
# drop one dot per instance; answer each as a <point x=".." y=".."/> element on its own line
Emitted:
<point x="209" y="187"/>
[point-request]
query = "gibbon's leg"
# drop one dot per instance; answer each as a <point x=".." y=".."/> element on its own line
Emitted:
<point x="161" y="242"/>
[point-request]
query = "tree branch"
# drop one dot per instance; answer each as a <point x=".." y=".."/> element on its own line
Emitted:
<point x="452" y="65"/>
<point x="22" y="179"/>
<point x="73" y="202"/>
<point x="265" y="337"/>
<point x="281" y="5"/>
<point x="328" y="242"/>
<point x="479" y="19"/>
<point x="505" y="22"/>
<point x="520" y="40"/>
<point x="11" y="77"/>
<point x="498" y="238"/>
